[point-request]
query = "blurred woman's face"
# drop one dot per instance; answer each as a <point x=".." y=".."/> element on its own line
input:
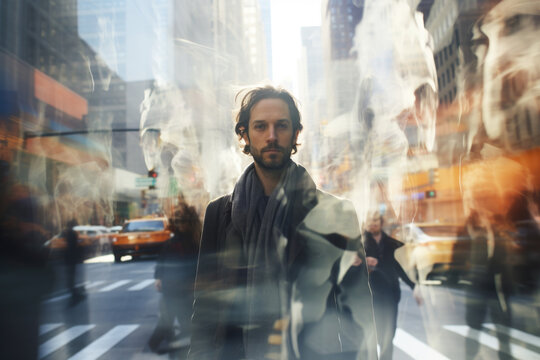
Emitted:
<point x="180" y="222"/>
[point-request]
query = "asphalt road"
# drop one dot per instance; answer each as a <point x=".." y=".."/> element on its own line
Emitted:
<point x="113" y="322"/>
<point x="121" y="309"/>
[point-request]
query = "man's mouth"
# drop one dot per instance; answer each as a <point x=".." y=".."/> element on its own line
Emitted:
<point x="272" y="150"/>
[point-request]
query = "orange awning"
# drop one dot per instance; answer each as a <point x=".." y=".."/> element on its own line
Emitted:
<point x="52" y="148"/>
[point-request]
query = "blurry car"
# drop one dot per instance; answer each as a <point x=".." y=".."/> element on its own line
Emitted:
<point x="140" y="237"/>
<point x="92" y="238"/>
<point x="115" y="229"/>
<point x="433" y="252"/>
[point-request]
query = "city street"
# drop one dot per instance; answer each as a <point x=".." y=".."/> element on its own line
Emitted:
<point x="114" y="322"/>
<point x="120" y="312"/>
<point x="256" y="133"/>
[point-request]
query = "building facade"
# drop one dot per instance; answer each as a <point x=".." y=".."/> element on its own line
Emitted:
<point x="339" y="20"/>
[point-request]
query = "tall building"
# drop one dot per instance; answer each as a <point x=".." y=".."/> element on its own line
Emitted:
<point x="312" y="90"/>
<point x="136" y="38"/>
<point x="451" y="25"/>
<point x="46" y="81"/>
<point x="59" y="84"/>
<point x="313" y="65"/>
<point x="44" y="35"/>
<point x="266" y="17"/>
<point x="255" y="36"/>
<point x="339" y="21"/>
<point x="217" y="45"/>
<point x="133" y="38"/>
<point x="103" y="25"/>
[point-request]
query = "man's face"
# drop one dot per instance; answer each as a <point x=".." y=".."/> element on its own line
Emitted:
<point x="270" y="135"/>
<point x="511" y="74"/>
<point x="374" y="225"/>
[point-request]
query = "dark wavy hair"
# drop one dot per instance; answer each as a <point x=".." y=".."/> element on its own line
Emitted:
<point x="189" y="215"/>
<point x="252" y="97"/>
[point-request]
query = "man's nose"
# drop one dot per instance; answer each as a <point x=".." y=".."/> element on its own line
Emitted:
<point x="271" y="134"/>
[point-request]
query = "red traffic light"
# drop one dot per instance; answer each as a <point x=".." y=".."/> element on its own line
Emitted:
<point x="153" y="175"/>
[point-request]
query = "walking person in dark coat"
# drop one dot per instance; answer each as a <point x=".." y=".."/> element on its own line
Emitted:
<point x="73" y="257"/>
<point x="384" y="276"/>
<point x="490" y="281"/>
<point x="175" y="275"/>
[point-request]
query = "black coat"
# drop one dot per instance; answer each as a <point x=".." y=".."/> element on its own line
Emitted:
<point x="384" y="279"/>
<point x="216" y="305"/>
<point x="176" y="266"/>
<point x="74" y="252"/>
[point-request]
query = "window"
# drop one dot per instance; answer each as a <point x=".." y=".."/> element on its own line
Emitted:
<point x="149" y="225"/>
<point x="32" y="19"/>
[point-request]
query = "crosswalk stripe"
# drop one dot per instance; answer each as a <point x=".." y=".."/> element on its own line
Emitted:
<point x="87" y="285"/>
<point x="415" y="348"/>
<point x="114" y="285"/>
<point x="94" y="284"/>
<point x="519" y="352"/>
<point x="516" y="334"/>
<point x="141" y="285"/>
<point x="105" y="342"/>
<point x="45" y="328"/>
<point x="56" y="298"/>
<point x="62" y="339"/>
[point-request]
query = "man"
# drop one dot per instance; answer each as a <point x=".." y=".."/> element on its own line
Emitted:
<point x="274" y="278"/>
<point x="385" y="272"/>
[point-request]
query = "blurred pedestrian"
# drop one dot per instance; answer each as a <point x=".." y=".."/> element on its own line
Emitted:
<point x="175" y="275"/>
<point x="490" y="281"/>
<point x="272" y="279"/>
<point x="384" y="275"/>
<point x="73" y="259"/>
<point x="25" y="277"/>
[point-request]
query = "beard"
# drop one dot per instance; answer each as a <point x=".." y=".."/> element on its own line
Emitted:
<point x="274" y="161"/>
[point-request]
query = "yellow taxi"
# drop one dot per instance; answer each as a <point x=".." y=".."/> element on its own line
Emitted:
<point x="143" y="236"/>
<point x="434" y="252"/>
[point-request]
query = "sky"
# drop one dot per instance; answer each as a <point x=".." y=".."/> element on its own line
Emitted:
<point x="288" y="16"/>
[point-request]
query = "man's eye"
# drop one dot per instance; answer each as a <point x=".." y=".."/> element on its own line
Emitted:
<point x="259" y="126"/>
<point x="283" y="125"/>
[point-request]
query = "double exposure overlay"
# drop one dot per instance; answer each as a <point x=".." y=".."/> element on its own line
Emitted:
<point x="406" y="226"/>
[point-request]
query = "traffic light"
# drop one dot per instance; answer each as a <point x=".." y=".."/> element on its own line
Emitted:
<point x="152" y="174"/>
<point x="430" y="194"/>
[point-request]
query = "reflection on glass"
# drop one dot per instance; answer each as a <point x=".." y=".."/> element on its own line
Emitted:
<point x="426" y="112"/>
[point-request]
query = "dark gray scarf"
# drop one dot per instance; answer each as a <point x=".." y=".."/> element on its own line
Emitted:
<point x="265" y="229"/>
